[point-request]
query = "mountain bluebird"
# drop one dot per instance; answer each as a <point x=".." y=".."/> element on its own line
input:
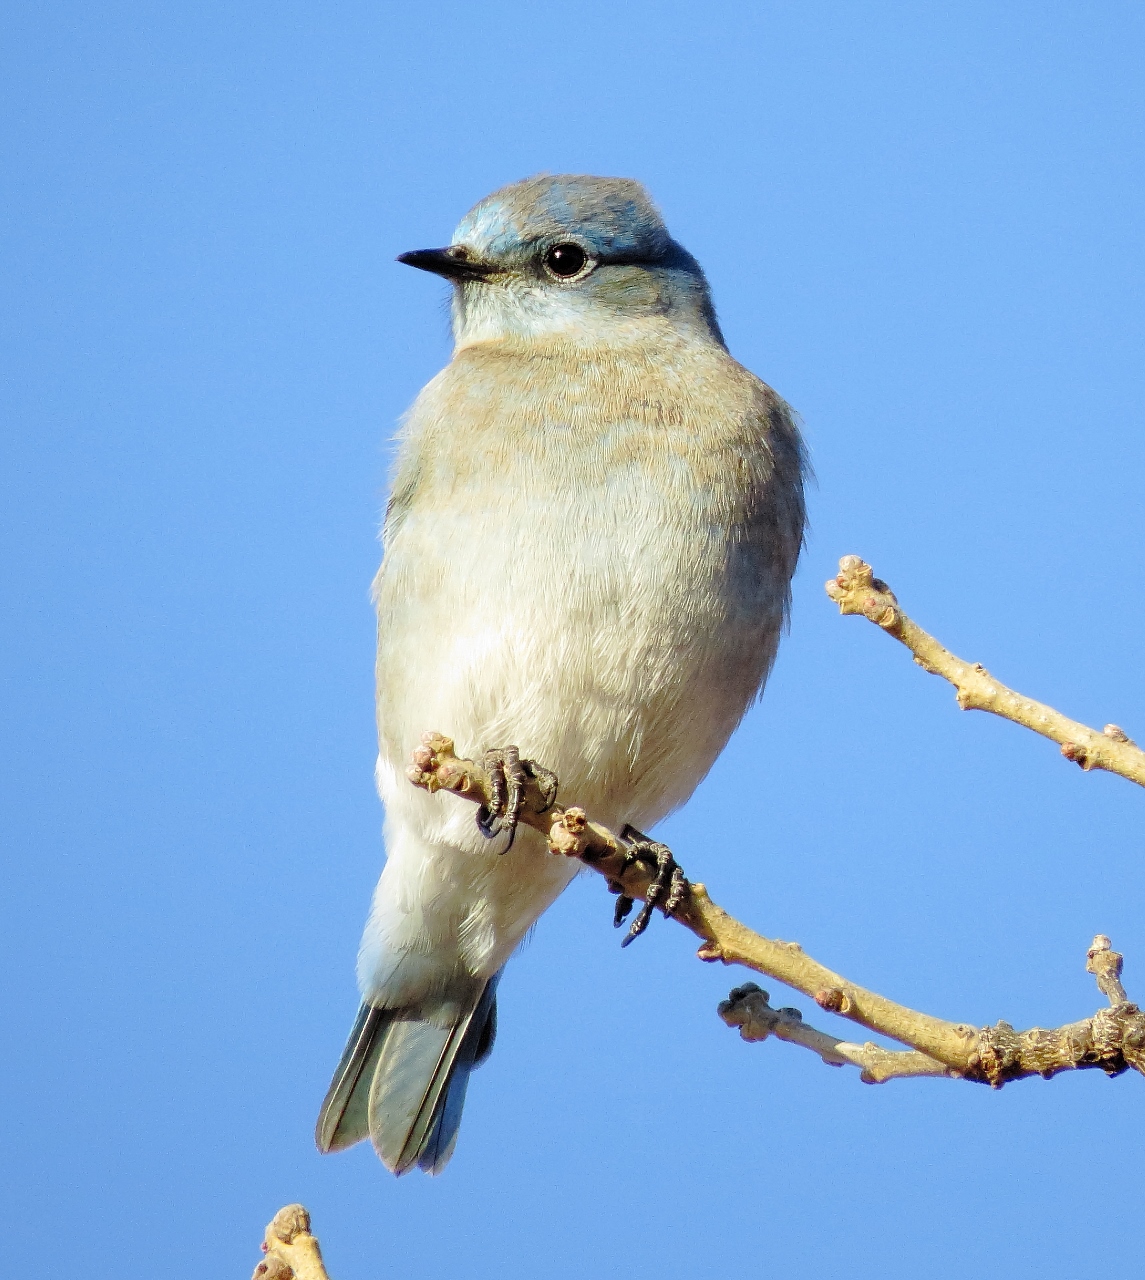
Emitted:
<point x="588" y="553"/>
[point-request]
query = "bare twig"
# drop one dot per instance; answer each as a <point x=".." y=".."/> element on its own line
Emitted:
<point x="857" y="590"/>
<point x="291" y="1251"/>
<point x="1105" y="965"/>
<point x="1113" y="1039"/>
<point x="747" y="1008"/>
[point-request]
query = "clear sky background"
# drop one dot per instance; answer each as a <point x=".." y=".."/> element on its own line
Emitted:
<point x="923" y="226"/>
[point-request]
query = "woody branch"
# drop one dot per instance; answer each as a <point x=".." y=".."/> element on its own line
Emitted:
<point x="1113" y="1039"/>
<point x="857" y="590"/>
<point x="292" y="1252"/>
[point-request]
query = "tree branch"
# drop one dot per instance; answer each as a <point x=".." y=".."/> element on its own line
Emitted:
<point x="747" y="1008"/>
<point x="857" y="590"/>
<point x="1113" y="1039"/>
<point x="1105" y="965"/>
<point x="292" y="1253"/>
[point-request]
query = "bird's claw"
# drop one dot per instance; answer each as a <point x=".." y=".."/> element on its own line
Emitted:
<point x="508" y="777"/>
<point x="666" y="891"/>
<point x="624" y="905"/>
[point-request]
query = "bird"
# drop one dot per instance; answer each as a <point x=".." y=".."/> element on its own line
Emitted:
<point x="594" y="520"/>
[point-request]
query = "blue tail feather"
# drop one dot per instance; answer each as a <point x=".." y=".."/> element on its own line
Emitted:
<point x="402" y="1080"/>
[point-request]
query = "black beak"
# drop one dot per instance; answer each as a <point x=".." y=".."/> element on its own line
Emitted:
<point x="455" y="263"/>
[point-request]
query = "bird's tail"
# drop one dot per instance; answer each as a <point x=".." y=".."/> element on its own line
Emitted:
<point x="402" y="1080"/>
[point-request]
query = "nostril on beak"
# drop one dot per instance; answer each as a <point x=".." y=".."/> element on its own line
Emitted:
<point x="455" y="262"/>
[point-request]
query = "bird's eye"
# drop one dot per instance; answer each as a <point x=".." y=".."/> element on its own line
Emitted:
<point x="565" y="260"/>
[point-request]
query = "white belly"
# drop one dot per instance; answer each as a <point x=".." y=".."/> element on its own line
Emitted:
<point x="590" y="597"/>
<point x="595" y="633"/>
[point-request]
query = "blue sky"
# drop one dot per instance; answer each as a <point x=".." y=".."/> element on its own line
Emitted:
<point x="922" y="225"/>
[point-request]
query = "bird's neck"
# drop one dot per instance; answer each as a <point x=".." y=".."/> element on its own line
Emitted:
<point x="520" y="318"/>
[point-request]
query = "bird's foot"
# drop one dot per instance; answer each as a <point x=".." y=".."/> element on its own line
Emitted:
<point x="666" y="891"/>
<point x="508" y="777"/>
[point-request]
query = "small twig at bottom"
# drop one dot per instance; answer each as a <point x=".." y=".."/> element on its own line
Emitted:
<point x="292" y="1253"/>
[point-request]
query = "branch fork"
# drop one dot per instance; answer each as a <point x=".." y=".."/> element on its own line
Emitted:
<point x="1113" y="1039"/>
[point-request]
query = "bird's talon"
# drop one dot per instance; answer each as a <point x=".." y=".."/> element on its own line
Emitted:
<point x="546" y="781"/>
<point x="668" y="883"/>
<point x="508" y="777"/>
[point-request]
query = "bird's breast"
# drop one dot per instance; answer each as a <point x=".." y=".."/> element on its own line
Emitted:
<point x="575" y="563"/>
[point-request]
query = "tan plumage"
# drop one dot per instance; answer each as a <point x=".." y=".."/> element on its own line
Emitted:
<point x="588" y="551"/>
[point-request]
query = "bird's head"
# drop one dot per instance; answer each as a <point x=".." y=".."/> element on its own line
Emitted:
<point x="579" y="256"/>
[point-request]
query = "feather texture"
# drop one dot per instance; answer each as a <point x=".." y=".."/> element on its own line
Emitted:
<point x="588" y="553"/>
<point x="402" y="1081"/>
